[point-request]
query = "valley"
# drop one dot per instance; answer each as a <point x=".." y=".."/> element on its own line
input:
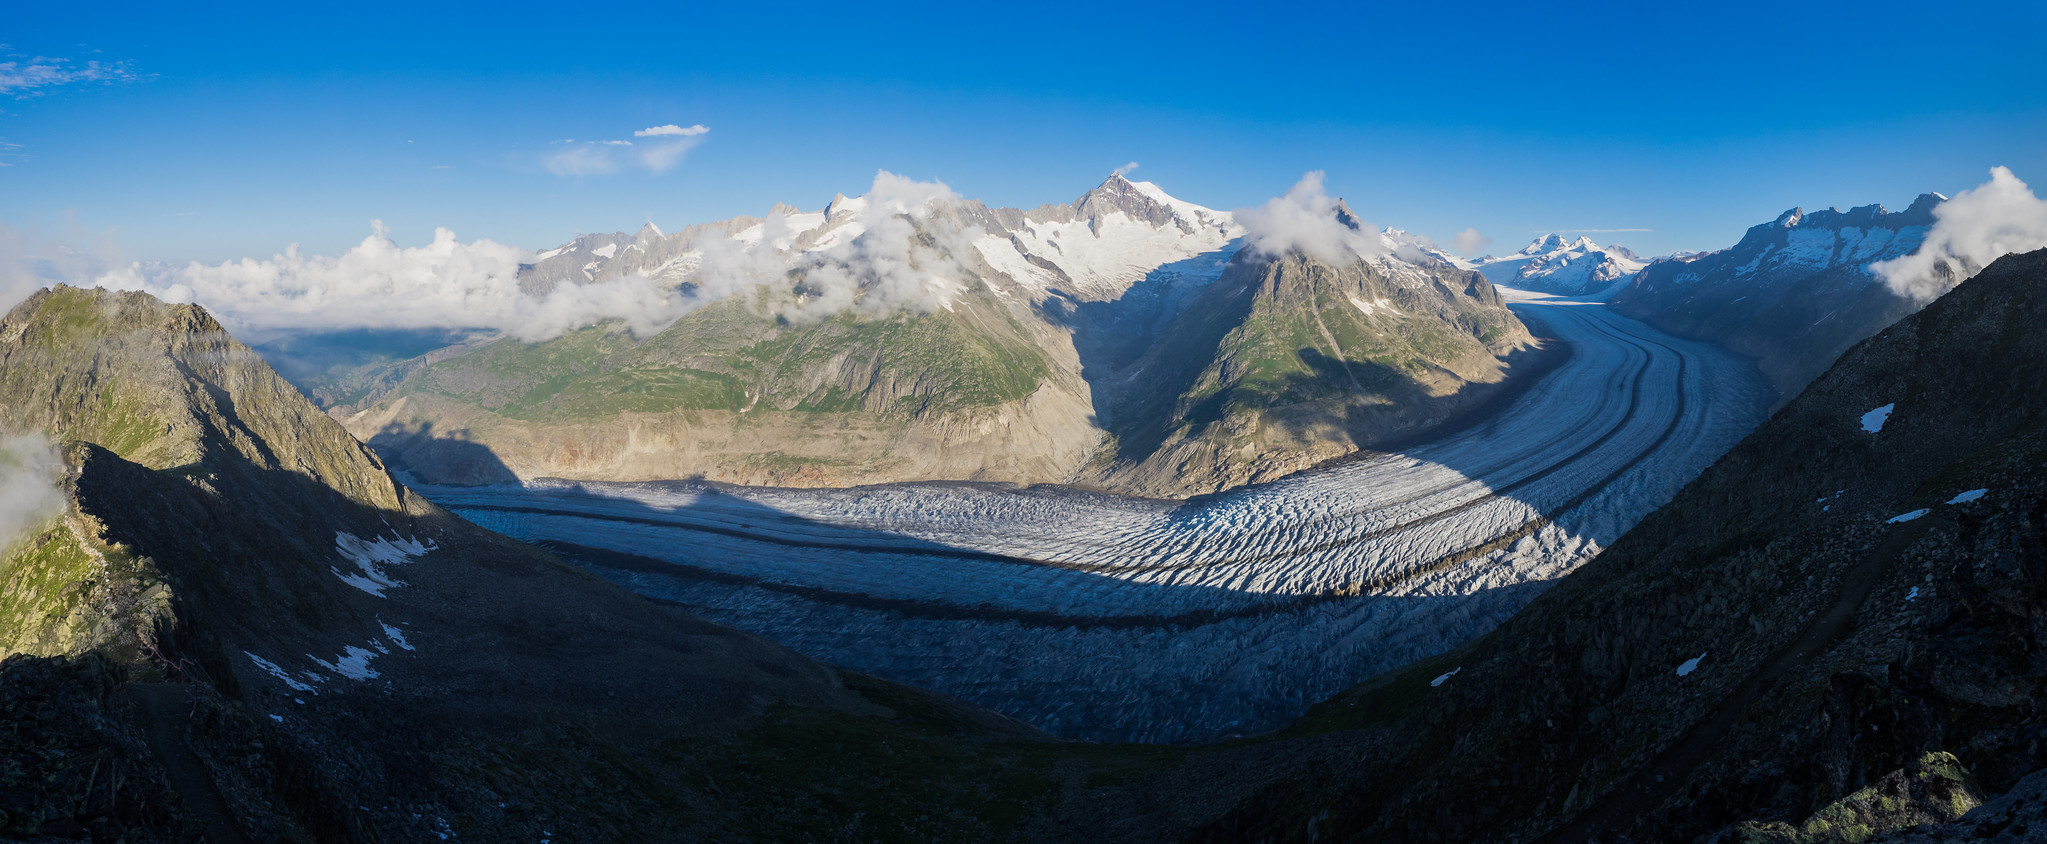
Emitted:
<point x="1116" y="618"/>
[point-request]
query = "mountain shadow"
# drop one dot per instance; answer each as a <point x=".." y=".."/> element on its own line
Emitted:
<point x="440" y="457"/>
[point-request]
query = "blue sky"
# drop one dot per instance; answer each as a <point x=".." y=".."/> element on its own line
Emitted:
<point x="233" y="132"/>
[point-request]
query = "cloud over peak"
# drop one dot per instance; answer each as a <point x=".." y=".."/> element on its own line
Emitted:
<point x="1976" y="227"/>
<point x="1305" y="219"/>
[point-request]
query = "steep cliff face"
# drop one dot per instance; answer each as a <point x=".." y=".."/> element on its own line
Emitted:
<point x="1793" y="294"/>
<point x="1830" y="634"/>
<point x="263" y="622"/>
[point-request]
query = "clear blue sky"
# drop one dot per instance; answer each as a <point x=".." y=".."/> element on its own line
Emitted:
<point x="243" y="130"/>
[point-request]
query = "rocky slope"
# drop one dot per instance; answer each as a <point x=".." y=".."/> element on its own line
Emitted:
<point x="1793" y="294"/>
<point x="1552" y="264"/>
<point x="240" y="627"/>
<point x="1831" y="634"/>
<point x="1288" y="361"/>
<point x="1057" y="324"/>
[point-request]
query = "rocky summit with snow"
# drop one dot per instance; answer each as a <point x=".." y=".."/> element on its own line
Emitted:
<point x="1127" y="340"/>
<point x="1552" y="264"/>
<point x="1794" y="294"/>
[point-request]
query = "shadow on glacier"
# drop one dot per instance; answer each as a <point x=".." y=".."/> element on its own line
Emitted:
<point x="735" y="519"/>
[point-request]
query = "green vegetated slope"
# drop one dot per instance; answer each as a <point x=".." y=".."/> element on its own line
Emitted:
<point x="1864" y="624"/>
<point x="231" y="651"/>
<point x="1284" y="363"/>
<point x="732" y="387"/>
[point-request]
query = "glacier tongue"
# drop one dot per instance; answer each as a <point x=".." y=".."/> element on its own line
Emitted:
<point x="1109" y="618"/>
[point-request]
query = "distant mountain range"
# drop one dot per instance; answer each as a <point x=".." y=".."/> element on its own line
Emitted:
<point x="1124" y="340"/>
<point x="1793" y="294"/>
<point x="1552" y="264"/>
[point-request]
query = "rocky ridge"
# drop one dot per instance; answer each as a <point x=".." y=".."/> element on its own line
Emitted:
<point x="1793" y="294"/>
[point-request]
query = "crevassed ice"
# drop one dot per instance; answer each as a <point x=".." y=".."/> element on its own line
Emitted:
<point x="370" y="557"/>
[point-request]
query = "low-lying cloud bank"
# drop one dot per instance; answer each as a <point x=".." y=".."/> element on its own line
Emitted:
<point x="907" y="256"/>
<point x="377" y="284"/>
<point x="29" y="469"/>
<point x="1971" y="230"/>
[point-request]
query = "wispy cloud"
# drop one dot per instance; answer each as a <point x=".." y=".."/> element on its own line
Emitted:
<point x="1469" y="241"/>
<point x="25" y="78"/>
<point x="671" y="130"/>
<point x="659" y="151"/>
<point x="10" y="153"/>
<point x="1588" y="231"/>
<point x="1125" y="169"/>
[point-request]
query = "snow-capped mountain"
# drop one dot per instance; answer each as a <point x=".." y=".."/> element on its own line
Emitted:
<point x="1793" y="294"/>
<point x="956" y="341"/>
<point x="1552" y="264"/>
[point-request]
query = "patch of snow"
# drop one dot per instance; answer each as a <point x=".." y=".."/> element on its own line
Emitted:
<point x="1912" y="595"/>
<point x="1690" y="665"/>
<point x="279" y="673"/>
<point x="354" y="663"/>
<point x="605" y="251"/>
<point x="278" y="718"/>
<point x="1445" y="678"/>
<point x="396" y="635"/>
<point x="372" y="556"/>
<point x="551" y="253"/>
<point x="1902" y="518"/>
<point x="1874" y="420"/>
<point x="1967" y="497"/>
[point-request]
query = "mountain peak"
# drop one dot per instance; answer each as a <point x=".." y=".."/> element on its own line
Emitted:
<point x="650" y="232"/>
<point x="1790" y="219"/>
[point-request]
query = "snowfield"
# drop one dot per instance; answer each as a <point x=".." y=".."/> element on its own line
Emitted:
<point x="1107" y="618"/>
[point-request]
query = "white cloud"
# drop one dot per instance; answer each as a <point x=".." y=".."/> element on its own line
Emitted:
<point x="1125" y="169"/>
<point x="906" y="258"/>
<point x="1976" y="227"/>
<point x="1305" y="220"/>
<point x="29" y="470"/>
<point x="595" y="158"/>
<point x="376" y="284"/>
<point x="33" y="77"/>
<point x="1469" y="241"/>
<point x="671" y="129"/>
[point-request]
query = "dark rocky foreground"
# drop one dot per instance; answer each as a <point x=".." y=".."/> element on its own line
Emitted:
<point x="1791" y="650"/>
